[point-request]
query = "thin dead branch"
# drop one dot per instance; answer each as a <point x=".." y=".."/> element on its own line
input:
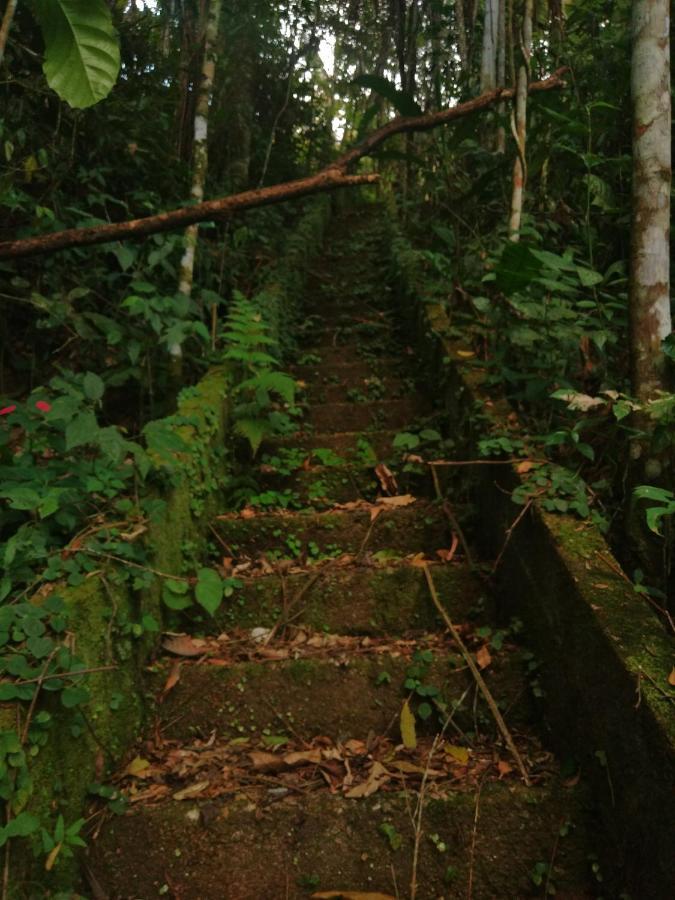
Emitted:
<point x="332" y="177"/>
<point x="480" y="681"/>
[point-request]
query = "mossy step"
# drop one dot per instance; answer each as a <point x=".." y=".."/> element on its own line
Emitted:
<point x="368" y="388"/>
<point x="349" y="373"/>
<point x="344" y="696"/>
<point x="329" y="355"/>
<point x="324" y="486"/>
<point x="368" y="599"/>
<point x="484" y="846"/>
<point x="331" y="417"/>
<point x="366" y="447"/>
<point x="421" y="526"/>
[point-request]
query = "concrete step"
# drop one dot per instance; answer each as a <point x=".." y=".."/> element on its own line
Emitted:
<point x="344" y="696"/>
<point x="391" y="597"/>
<point x="420" y="526"/>
<point x="366" y="448"/>
<point x="485" y="845"/>
<point x="377" y="414"/>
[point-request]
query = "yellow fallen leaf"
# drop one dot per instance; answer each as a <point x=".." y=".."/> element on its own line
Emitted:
<point x="192" y="790"/>
<point x="461" y="754"/>
<point x="407" y="724"/>
<point x="53" y="853"/>
<point x="137" y="765"/>
<point x="465" y="354"/>
<point x="671" y="677"/>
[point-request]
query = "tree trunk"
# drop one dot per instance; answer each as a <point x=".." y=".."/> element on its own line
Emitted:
<point x="10" y="9"/>
<point x="520" y="164"/>
<point x="650" y="253"/>
<point x="488" y="63"/>
<point x="462" y="43"/>
<point x="200" y="165"/>
<point x="501" y="73"/>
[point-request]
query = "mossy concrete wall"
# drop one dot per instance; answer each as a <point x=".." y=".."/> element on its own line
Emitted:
<point x="190" y="484"/>
<point x="605" y="658"/>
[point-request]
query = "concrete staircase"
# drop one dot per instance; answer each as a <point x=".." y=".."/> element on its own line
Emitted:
<point x="277" y="765"/>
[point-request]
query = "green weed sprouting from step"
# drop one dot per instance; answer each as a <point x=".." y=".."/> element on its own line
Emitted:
<point x="257" y="413"/>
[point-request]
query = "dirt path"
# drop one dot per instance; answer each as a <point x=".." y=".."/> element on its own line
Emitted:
<point x="283" y="760"/>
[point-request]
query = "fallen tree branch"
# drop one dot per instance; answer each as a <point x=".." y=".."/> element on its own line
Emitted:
<point x="480" y="681"/>
<point x="330" y="178"/>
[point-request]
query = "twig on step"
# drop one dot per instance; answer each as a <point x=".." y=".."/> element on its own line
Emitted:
<point x="454" y="523"/>
<point x="480" y="681"/>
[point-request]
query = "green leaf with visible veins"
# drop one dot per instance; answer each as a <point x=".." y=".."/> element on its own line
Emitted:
<point x="82" y="57"/>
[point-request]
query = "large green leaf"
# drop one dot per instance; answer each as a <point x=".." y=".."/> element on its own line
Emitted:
<point x="402" y="101"/>
<point x="82" y="57"/>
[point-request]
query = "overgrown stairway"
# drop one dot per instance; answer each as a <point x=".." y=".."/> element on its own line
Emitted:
<point x="329" y="735"/>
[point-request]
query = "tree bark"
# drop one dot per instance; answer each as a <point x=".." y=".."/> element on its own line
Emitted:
<point x="7" y="19"/>
<point x="329" y="178"/>
<point x="200" y="165"/>
<point x="650" y="252"/>
<point x="488" y="62"/>
<point x="520" y="123"/>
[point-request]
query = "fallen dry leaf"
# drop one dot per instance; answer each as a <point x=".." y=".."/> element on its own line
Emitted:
<point x="483" y="657"/>
<point x="137" y="766"/>
<point x="671" y="678"/>
<point x="247" y="513"/>
<point x="374" y="512"/>
<point x="377" y="777"/>
<point x="192" y="790"/>
<point x="524" y="467"/>
<point x="266" y="762"/>
<point x="448" y="555"/>
<point x="301" y="757"/>
<point x="461" y="754"/>
<point x="184" y="645"/>
<point x="398" y="500"/>
<point x="386" y="478"/>
<point x="407" y="725"/>
<point x="504" y="768"/>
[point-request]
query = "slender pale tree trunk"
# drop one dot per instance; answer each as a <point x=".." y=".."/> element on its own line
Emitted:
<point x="200" y="165"/>
<point x="650" y="253"/>
<point x="501" y="72"/>
<point x="6" y="24"/>
<point x="488" y="65"/>
<point x="520" y="124"/>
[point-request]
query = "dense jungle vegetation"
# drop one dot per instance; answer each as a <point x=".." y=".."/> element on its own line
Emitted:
<point x="162" y="168"/>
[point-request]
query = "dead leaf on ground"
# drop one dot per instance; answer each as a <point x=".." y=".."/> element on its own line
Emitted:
<point x="266" y="762"/>
<point x="448" y="555"/>
<point x="184" y="645"/>
<point x="504" y="768"/>
<point x="398" y="500"/>
<point x="374" y="512"/>
<point x="483" y="657"/>
<point x="247" y="513"/>
<point x="137" y="766"/>
<point x="302" y="757"/>
<point x="461" y="754"/>
<point x="376" y="778"/>
<point x="671" y="678"/>
<point x="407" y="725"/>
<point x="386" y="478"/>
<point x="192" y="790"/>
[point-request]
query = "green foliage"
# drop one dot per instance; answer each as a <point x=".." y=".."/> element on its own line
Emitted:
<point x="402" y="101"/>
<point x="82" y="58"/>
<point x="265" y="395"/>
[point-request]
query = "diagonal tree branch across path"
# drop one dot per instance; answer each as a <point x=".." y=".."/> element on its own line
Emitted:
<point x="330" y="178"/>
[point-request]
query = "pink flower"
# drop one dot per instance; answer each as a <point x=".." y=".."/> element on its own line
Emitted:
<point x="43" y="406"/>
<point x="7" y="410"/>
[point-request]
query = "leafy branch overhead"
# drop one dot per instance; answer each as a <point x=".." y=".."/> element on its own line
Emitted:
<point x="331" y="177"/>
